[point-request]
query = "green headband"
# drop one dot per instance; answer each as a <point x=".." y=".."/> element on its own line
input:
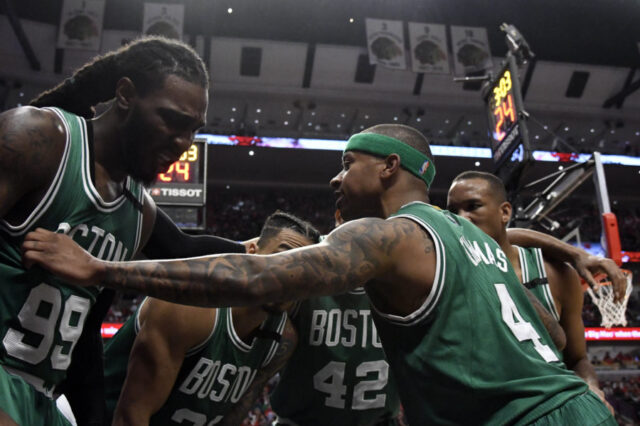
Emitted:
<point x="411" y="159"/>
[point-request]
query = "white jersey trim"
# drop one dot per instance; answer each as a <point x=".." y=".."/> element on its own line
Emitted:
<point x="51" y="193"/>
<point x="138" y="240"/>
<point x="436" y="289"/>
<point x="235" y="339"/>
<point x="201" y="345"/>
<point x="275" y="344"/>
<point x="89" y="189"/>
<point x="546" y="288"/>
<point x="524" y="268"/>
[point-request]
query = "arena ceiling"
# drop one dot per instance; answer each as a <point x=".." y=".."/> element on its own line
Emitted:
<point x="310" y="54"/>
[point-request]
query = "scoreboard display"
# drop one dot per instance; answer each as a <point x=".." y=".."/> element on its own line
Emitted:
<point x="181" y="190"/>
<point x="508" y="134"/>
<point x="184" y="183"/>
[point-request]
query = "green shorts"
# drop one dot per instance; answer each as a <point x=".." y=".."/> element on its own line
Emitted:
<point x="585" y="409"/>
<point x="25" y="405"/>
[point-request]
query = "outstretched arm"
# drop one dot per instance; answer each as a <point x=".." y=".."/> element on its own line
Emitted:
<point x="167" y="241"/>
<point x="351" y="255"/>
<point x="285" y="349"/>
<point x="584" y="263"/>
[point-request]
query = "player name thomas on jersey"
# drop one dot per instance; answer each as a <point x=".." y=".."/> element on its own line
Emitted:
<point x="348" y="328"/>
<point x="477" y="255"/>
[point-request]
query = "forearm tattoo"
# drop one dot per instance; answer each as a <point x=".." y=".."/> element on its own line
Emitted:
<point x="351" y="255"/>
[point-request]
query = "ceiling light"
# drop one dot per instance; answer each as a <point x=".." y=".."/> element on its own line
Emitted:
<point x="232" y="119"/>
<point x="351" y="20"/>
<point x="258" y="110"/>
<point x="418" y="119"/>
<point x="256" y="121"/>
<point x="468" y="123"/>
<point x="313" y="113"/>
<point x="339" y="125"/>
<point x="251" y="153"/>
<point x="592" y="130"/>
<point x="560" y="167"/>
<point x="477" y="164"/>
<point x="395" y="118"/>
<point x="566" y="129"/>
<point x="288" y="112"/>
<point x="309" y="124"/>
<point x="286" y="123"/>
<point x="343" y="115"/>
<point x="229" y="11"/>
<point x="233" y="109"/>
<point x="366" y="117"/>
<point x="446" y="121"/>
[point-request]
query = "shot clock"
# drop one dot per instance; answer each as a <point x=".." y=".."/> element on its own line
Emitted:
<point x="507" y="124"/>
<point x="182" y="188"/>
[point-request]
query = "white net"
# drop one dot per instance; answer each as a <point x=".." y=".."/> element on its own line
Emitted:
<point x="612" y="313"/>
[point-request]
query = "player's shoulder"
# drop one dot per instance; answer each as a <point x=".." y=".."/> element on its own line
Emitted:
<point x="32" y="119"/>
<point x="32" y="141"/>
<point x="187" y="325"/>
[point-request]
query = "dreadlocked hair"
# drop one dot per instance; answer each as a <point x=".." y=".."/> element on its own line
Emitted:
<point x="146" y="61"/>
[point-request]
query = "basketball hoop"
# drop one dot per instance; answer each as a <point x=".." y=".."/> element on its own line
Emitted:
<point x="612" y="313"/>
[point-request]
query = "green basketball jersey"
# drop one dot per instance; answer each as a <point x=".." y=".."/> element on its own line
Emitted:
<point x="41" y="318"/>
<point x="213" y="377"/>
<point x="475" y="352"/>
<point x="534" y="277"/>
<point x="338" y="373"/>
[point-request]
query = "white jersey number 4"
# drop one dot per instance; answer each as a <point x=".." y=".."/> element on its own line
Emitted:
<point x="519" y="327"/>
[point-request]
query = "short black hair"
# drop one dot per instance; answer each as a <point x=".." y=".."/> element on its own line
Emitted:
<point x="281" y="220"/>
<point x="407" y="134"/>
<point x="496" y="185"/>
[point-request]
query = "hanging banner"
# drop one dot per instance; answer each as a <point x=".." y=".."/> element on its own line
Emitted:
<point x="428" y="48"/>
<point x="163" y="19"/>
<point x="471" y="51"/>
<point x="81" y="24"/>
<point x="385" y="40"/>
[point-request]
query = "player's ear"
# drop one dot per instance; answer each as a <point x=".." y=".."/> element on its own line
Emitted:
<point x="391" y="165"/>
<point x="253" y="248"/>
<point x="505" y="212"/>
<point x="125" y="92"/>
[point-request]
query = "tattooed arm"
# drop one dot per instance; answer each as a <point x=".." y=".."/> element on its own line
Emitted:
<point x="350" y="256"/>
<point x="285" y="349"/>
<point x="584" y="263"/>
<point x="556" y="332"/>
<point x="31" y="145"/>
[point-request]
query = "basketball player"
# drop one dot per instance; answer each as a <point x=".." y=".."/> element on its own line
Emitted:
<point x="482" y="199"/>
<point x="338" y="373"/>
<point x="83" y="177"/>
<point x="197" y="364"/>
<point x="461" y="339"/>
